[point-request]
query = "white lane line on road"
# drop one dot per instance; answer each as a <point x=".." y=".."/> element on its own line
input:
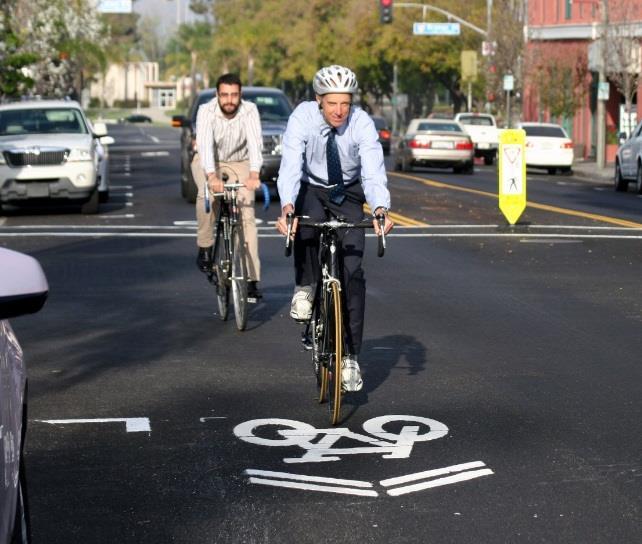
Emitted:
<point x="431" y="473"/>
<point x="132" y="424"/>
<point x="119" y="216"/>
<point x="306" y="478"/>
<point x="315" y="487"/>
<point x="120" y="187"/>
<point x="276" y="235"/>
<point x="204" y="419"/>
<point x="154" y="154"/>
<point x="462" y="477"/>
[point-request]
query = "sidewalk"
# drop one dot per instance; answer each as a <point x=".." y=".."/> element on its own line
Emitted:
<point x="587" y="170"/>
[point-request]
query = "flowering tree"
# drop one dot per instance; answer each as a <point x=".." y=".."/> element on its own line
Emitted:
<point x="13" y="80"/>
<point x="68" y="39"/>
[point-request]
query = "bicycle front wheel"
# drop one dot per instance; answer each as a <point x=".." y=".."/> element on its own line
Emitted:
<point x="222" y="269"/>
<point x="335" y="333"/>
<point x="239" y="278"/>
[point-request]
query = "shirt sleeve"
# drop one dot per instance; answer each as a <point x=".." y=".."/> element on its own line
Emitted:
<point x="205" y="137"/>
<point x="291" y="169"/>
<point x="254" y="137"/>
<point x="373" y="168"/>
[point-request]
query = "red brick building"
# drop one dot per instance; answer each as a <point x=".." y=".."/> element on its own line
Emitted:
<point x="562" y="60"/>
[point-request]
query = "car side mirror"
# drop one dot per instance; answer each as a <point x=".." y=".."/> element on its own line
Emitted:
<point x="622" y="137"/>
<point x="23" y="285"/>
<point x="107" y="140"/>
<point x="100" y="129"/>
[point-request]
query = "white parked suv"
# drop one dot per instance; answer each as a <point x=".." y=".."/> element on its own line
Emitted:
<point x="482" y="129"/>
<point x="49" y="150"/>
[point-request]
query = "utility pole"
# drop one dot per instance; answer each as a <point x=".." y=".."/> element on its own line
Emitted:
<point x="601" y="106"/>
<point x="395" y="98"/>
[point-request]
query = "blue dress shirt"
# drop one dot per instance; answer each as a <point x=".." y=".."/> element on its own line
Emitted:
<point x="304" y="159"/>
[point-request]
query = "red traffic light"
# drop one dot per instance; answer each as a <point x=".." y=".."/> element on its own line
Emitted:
<point x="385" y="11"/>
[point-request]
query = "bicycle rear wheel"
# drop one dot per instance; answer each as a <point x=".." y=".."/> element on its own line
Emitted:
<point x="239" y="277"/>
<point x="221" y="259"/>
<point x="335" y="335"/>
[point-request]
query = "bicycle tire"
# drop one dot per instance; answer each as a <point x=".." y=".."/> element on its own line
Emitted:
<point x="221" y="260"/>
<point x="336" y="337"/>
<point x="239" y="277"/>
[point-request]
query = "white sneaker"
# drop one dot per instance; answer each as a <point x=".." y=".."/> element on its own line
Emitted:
<point x="350" y="374"/>
<point x="301" y="307"/>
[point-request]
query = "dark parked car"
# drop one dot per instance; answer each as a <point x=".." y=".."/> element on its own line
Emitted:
<point x="137" y="118"/>
<point x="384" y="133"/>
<point x="23" y="290"/>
<point x="274" y="109"/>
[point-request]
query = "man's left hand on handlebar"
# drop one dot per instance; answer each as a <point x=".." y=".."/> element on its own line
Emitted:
<point x="388" y="224"/>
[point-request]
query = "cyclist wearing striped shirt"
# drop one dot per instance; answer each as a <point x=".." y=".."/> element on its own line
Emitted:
<point x="229" y="139"/>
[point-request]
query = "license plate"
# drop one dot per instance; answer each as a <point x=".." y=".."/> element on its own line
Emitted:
<point x="483" y="145"/>
<point x="442" y="145"/>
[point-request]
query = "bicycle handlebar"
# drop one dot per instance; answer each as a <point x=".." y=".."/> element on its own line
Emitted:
<point x="335" y="224"/>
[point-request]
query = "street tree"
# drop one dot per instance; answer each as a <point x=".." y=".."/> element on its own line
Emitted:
<point x="13" y="59"/>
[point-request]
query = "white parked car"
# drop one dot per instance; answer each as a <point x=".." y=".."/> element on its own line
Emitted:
<point x="50" y="151"/>
<point x="483" y="131"/>
<point x="548" y="146"/>
<point x="23" y="290"/>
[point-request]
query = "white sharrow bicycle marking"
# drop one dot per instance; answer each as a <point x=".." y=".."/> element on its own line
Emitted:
<point x="389" y="445"/>
<point x="320" y="446"/>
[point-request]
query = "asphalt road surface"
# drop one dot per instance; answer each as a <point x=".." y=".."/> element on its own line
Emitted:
<point x="502" y="398"/>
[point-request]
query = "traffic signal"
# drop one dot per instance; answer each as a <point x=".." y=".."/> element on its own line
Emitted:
<point x="385" y="11"/>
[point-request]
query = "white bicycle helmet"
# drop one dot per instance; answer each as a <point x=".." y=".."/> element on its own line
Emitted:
<point x="335" y="79"/>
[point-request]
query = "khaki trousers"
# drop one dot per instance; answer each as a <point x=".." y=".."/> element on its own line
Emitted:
<point x="206" y="221"/>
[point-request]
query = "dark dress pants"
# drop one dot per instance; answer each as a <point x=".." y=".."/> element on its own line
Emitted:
<point x="314" y="202"/>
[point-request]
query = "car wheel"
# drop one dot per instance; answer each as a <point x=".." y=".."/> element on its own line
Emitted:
<point x="620" y="183"/>
<point x="489" y="159"/>
<point x="552" y="171"/>
<point x="91" y="206"/>
<point x="405" y="166"/>
<point x="638" y="180"/>
<point x="103" y="196"/>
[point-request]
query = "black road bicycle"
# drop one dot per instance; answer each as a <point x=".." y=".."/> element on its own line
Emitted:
<point x="229" y="274"/>
<point x="324" y="334"/>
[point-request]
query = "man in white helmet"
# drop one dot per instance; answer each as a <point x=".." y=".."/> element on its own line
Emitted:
<point x="313" y="183"/>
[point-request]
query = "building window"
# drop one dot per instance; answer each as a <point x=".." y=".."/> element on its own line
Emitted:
<point x="569" y="8"/>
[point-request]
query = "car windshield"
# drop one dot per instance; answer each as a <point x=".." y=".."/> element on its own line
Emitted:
<point x="475" y="120"/>
<point x="547" y="131"/>
<point x="42" y="121"/>
<point x="439" y="127"/>
<point x="271" y="106"/>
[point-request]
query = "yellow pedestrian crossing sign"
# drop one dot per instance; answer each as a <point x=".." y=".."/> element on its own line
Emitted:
<point x="512" y="174"/>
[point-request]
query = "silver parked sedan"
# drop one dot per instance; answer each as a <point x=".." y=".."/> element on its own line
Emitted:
<point x="23" y="290"/>
<point x="435" y="142"/>
<point x="628" y="162"/>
